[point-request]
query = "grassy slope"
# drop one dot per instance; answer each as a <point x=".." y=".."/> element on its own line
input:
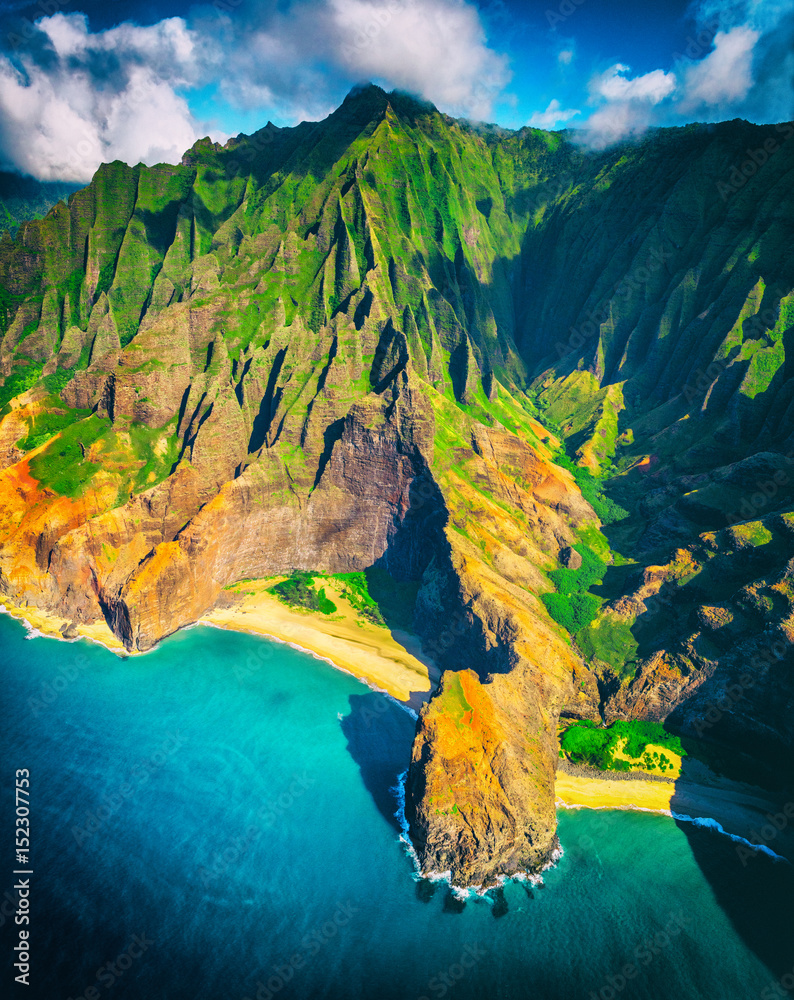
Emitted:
<point x="24" y="198"/>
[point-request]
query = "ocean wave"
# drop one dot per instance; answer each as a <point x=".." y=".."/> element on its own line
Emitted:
<point x="34" y="633"/>
<point x="712" y="824"/>
<point x="703" y="821"/>
<point x="461" y="892"/>
<point x="398" y="791"/>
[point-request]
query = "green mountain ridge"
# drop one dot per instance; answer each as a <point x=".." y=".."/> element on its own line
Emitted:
<point x="351" y="344"/>
<point x="24" y="198"/>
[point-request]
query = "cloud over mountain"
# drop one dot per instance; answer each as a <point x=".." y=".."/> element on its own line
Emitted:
<point x="738" y="63"/>
<point x="72" y="97"/>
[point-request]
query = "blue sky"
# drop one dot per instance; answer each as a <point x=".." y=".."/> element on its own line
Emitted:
<point x="83" y="81"/>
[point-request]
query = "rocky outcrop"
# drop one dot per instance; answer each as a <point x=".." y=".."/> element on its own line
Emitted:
<point x="480" y="793"/>
<point x="480" y="797"/>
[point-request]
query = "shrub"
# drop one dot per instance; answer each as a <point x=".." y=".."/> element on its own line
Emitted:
<point x="324" y="604"/>
<point x="356" y="591"/>
<point x="639" y="734"/>
<point x="298" y="591"/>
<point x="572" y="611"/>
<point x="585" y="742"/>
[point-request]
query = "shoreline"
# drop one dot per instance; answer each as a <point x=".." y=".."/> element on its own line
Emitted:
<point x="38" y="622"/>
<point x="207" y="623"/>
<point x="392" y="663"/>
<point x="732" y="808"/>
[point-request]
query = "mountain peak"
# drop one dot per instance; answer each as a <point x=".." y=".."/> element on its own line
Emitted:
<point x="375" y="98"/>
<point x="364" y="90"/>
<point x="366" y="95"/>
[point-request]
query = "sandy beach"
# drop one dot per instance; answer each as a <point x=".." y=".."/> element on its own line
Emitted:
<point x="740" y="809"/>
<point x="51" y="625"/>
<point x="389" y="660"/>
<point x="393" y="661"/>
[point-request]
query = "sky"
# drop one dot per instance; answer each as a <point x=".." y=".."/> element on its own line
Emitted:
<point x="87" y="81"/>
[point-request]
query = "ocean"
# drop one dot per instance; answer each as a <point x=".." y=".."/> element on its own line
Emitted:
<point x="215" y="820"/>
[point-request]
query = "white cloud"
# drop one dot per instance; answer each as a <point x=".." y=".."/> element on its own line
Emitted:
<point x="553" y="115"/>
<point x="738" y="63"/>
<point x="436" y="48"/>
<point x="624" y="105"/>
<point x="725" y="75"/>
<point x="614" y="122"/>
<point x="615" y="86"/>
<point x="78" y="97"/>
<point x="565" y="57"/>
<point x="63" y="117"/>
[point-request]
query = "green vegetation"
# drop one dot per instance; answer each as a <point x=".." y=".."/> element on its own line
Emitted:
<point x="298" y="590"/>
<point x="753" y="534"/>
<point x="23" y="199"/>
<point x="47" y="424"/>
<point x="577" y="581"/>
<point x="572" y="607"/>
<point x="7" y="300"/>
<point x="59" y="379"/>
<point x="764" y="364"/>
<point x="27" y="330"/>
<point x="454" y="702"/>
<point x="105" y="279"/>
<point x="63" y="466"/>
<point x="22" y="378"/>
<point x="71" y="288"/>
<point x="585" y="742"/>
<point x="573" y="612"/>
<point x="356" y="591"/>
<point x="610" y="640"/>
<point x="372" y="593"/>
<point x="607" y="511"/>
<point x="155" y="450"/>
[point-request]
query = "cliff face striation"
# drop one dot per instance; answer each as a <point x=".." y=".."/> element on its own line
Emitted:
<point x="448" y="351"/>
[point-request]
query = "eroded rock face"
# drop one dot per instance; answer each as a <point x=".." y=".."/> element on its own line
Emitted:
<point x="480" y="788"/>
<point x="570" y="558"/>
<point x="480" y="791"/>
<point x="720" y="671"/>
<point x="266" y="522"/>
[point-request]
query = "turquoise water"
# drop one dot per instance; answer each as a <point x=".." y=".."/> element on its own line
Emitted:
<point x="214" y="820"/>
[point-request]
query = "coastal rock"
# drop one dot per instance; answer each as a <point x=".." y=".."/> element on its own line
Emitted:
<point x="480" y="793"/>
<point x="480" y="786"/>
